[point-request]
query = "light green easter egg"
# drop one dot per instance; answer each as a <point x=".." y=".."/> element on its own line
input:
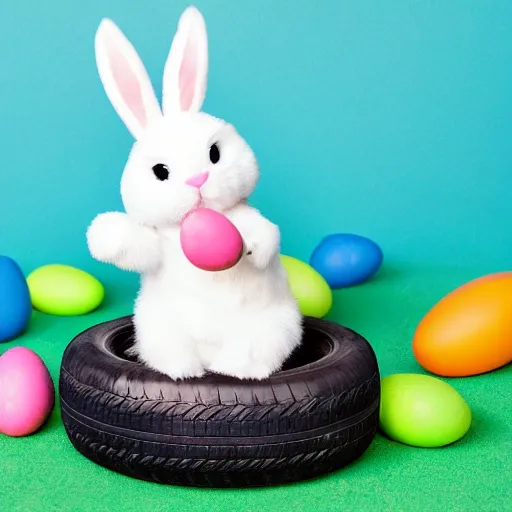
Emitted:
<point x="64" y="290"/>
<point x="420" y="410"/>
<point x="309" y="288"/>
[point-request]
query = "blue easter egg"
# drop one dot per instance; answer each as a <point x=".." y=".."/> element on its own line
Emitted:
<point x="346" y="260"/>
<point x="15" y="304"/>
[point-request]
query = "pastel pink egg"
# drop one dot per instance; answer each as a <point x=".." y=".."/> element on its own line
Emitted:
<point x="210" y="241"/>
<point x="27" y="393"/>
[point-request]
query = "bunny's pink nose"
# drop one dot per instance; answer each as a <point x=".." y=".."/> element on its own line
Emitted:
<point x="197" y="180"/>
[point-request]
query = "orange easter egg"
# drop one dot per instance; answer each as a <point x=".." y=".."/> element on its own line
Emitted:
<point x="469" y="331"/>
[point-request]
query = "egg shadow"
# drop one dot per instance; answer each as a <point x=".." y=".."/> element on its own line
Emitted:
<point x="484" y="427"/>
<point x="54" y="420"/>
<point x="387" y="272"/>
<point x="458" y="443"/>
<point x="500" y="369"/>
<point x="39" y="323"/>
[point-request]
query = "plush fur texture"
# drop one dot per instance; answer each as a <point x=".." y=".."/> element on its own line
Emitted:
<point x="243" y="321"/>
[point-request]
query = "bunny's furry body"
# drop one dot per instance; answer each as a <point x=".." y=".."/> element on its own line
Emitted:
<point x="243" y="321"/>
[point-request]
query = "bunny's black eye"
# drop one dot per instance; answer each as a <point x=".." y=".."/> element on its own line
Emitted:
<point x="214" y="153"/>
<point x="161" y="171"/>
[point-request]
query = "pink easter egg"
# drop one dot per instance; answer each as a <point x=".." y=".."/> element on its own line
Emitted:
<point x="27" y="393"/>
<point x="210" y="241"/>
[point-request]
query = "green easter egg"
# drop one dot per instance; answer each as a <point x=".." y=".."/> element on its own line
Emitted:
<point x="64" y="290"/>
<point x="420" y="410"/>
<point x="309" y="288"/>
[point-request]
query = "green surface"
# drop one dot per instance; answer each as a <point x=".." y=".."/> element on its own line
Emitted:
<point x="44" y="473"/>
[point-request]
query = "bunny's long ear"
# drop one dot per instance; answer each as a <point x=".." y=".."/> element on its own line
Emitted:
<point x="125" y="78"/>
<point x="186" y="69"/>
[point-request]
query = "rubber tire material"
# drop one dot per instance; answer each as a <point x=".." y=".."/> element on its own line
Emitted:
<point x="318" y="414"/>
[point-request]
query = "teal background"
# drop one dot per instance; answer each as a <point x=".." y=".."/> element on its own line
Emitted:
<point x="387" y="119"/>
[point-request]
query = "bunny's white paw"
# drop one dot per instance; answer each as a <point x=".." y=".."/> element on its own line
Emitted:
<point x="114" y="238"/>
<point x="107" y="235"/>
<point x="177" y="370"/>
<point x="173" y="363"/>
<point x="262" y="243"/>
<point x="241" y="369"/>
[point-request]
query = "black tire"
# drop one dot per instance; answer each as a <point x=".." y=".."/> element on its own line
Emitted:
<point x="316" y="415"/>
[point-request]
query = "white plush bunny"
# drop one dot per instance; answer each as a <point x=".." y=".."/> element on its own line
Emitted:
<point x="243" y="321"/>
